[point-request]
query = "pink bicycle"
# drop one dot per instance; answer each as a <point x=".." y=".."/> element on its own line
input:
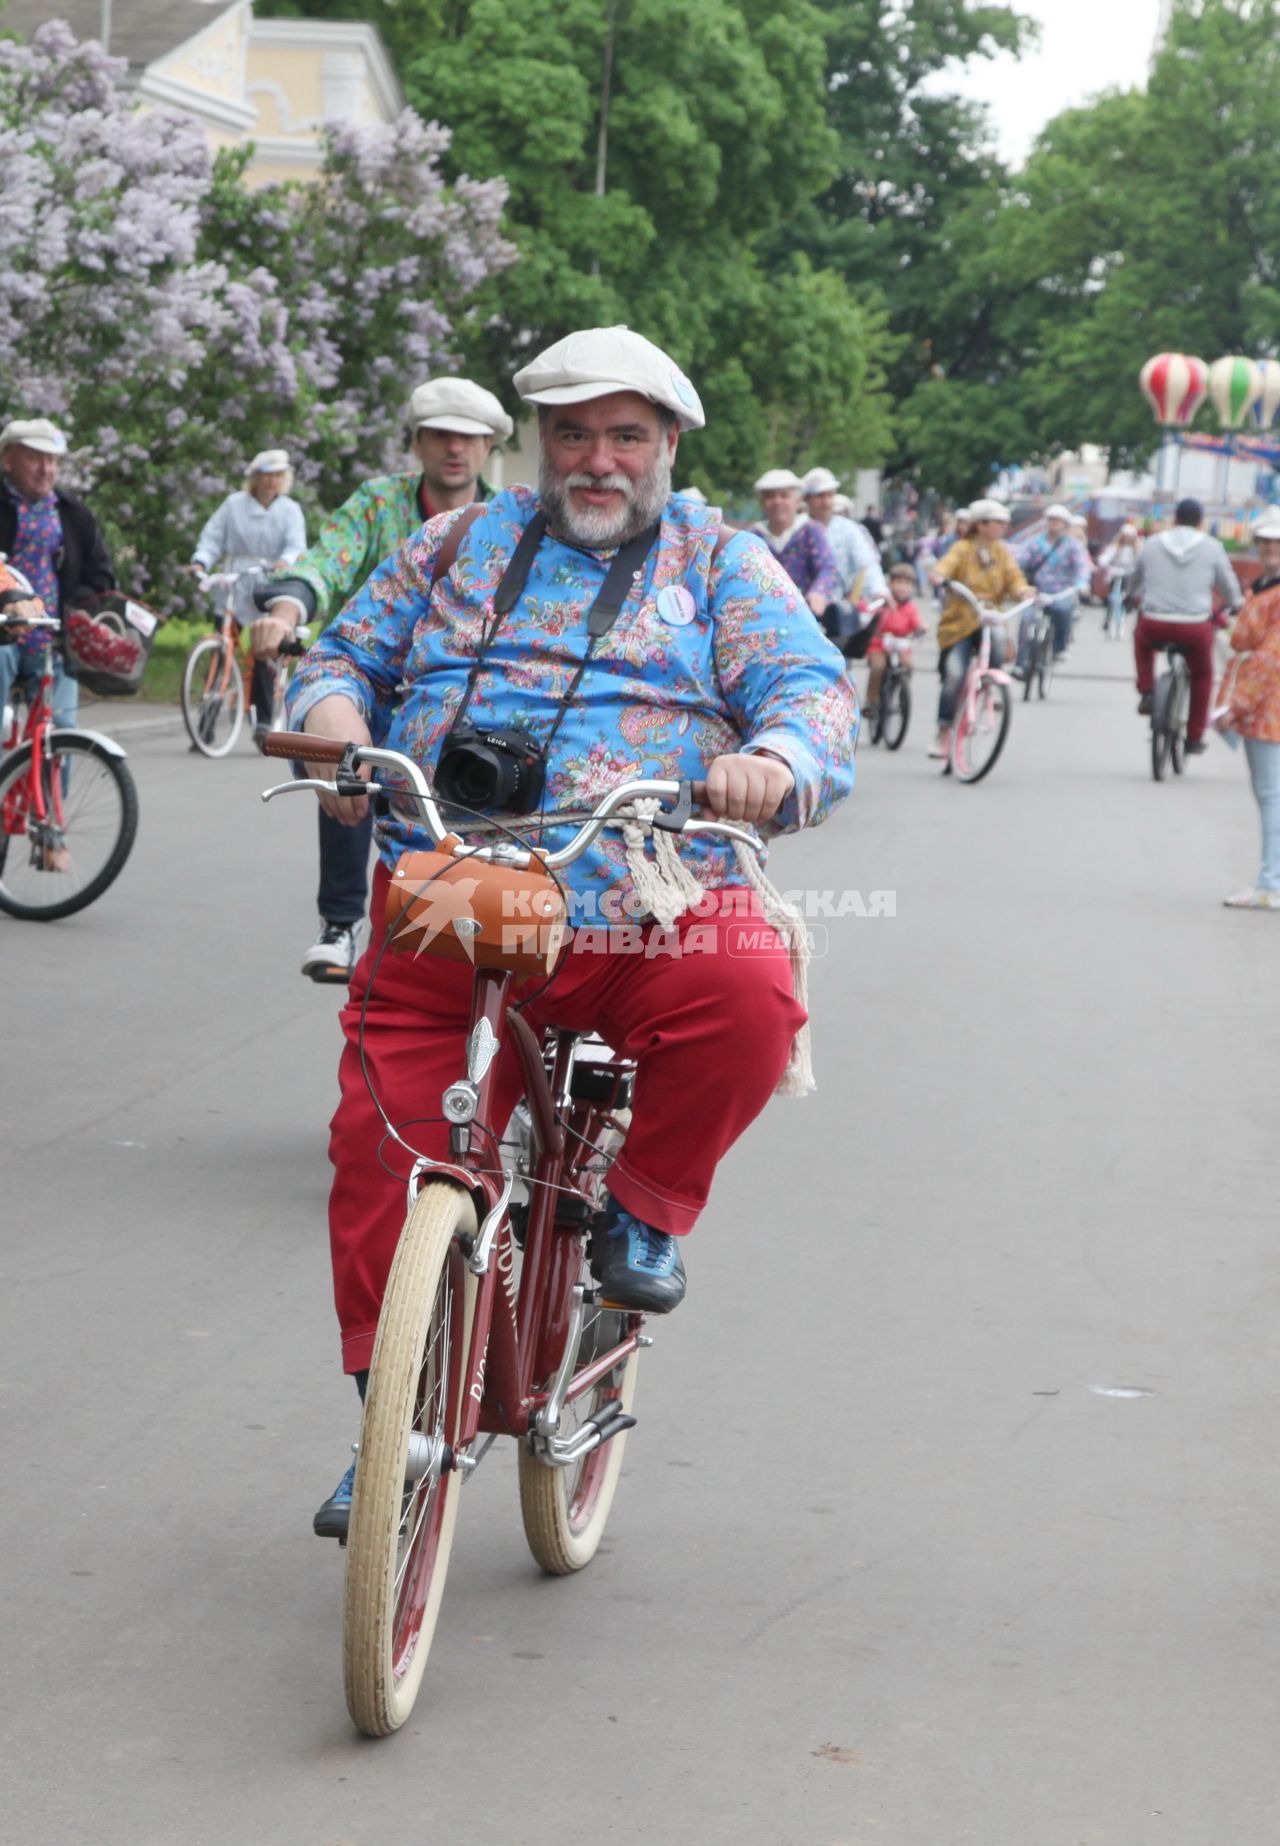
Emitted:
<point x="984" y="707"/>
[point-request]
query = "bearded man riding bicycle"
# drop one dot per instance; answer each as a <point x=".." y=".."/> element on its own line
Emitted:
<point x="711" y="668"/>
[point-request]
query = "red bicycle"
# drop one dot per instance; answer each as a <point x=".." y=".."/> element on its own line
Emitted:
<point x="68" y="804"/>
<point x="491" y="1323"/>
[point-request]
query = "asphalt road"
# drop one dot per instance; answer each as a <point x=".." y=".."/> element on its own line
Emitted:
<point x="953" y="1512"/>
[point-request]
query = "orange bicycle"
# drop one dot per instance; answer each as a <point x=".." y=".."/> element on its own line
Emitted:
<point x="217" y="685"/>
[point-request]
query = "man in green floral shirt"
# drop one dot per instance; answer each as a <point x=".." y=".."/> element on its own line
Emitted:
<point x="455" y="425"/>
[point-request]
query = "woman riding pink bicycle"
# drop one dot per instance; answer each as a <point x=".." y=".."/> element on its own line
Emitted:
<point x="985" y="566"/>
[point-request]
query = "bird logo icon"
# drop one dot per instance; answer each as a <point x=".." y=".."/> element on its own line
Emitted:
<point x="444" y="908"/>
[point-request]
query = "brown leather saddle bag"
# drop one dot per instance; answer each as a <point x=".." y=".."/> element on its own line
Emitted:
<point x="465" y="909"/>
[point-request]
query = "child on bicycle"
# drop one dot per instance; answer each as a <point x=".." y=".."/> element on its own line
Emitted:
<point x="900" y="620"/>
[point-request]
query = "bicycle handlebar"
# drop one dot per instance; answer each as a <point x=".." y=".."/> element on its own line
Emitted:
<point x="985" y="611"/>
<point x="301" y="746"/>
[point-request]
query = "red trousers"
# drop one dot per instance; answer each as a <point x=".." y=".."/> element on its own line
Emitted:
<point x="710" y="1029"/>
<point x="1197" y="639"/>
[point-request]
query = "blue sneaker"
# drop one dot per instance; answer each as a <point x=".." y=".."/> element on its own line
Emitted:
<point x="638" y="1268"/>
<point x="334" y="1516"/>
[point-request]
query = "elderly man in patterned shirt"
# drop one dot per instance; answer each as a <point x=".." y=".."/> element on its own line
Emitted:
<point x="455" y="425"/>
<point x="1057" y="564"/>
<point x="796" y="541"/>
<point x="54" y="540"/>
<point x="713" y="670"/>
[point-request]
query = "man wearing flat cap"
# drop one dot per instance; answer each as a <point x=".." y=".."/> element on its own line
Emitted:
<point x="455" y="424"/>
<point x="707" y="666"/>
<point x="856" y="554"/>
<point x="54" y="540"/>
<point x="798" y="542"/>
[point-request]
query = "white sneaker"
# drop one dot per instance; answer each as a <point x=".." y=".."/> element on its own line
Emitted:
<point x="333" y="954"/>
<point x="938" y="748"/>
<point x="1253" y="900"/>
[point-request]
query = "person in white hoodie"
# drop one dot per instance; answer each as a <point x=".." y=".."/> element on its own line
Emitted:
<point x="1173" y="585"/>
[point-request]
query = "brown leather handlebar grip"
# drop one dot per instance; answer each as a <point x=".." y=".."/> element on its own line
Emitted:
<point x="299" y="745"/>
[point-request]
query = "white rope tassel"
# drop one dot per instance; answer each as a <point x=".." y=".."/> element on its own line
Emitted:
<point x="664" y="886"/>
<point x="797" y="1079"/>
<point x="667" y="888"/>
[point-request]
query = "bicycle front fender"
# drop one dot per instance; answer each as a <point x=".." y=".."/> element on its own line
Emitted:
<point x="484" y="1188"/>
<point x="103" y="742"/>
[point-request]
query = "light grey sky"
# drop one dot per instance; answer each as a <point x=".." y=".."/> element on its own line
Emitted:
<point x="1085" y="46"/>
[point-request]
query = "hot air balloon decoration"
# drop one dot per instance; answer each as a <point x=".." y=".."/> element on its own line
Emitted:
<point x="1174" y="385"/>
<point x="1235" y="384"/>
<point x="1263" y="412"/>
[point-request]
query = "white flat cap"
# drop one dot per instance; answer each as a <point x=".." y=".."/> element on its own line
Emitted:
<point x="1268" y="526"/>
<point x="1078" y="519"/>
<point x="458" y="404"/>
<point x="988" y="509"/>
<point x="692" y="493"/>
<point x="1058" y="511"/>
<point x="600" y="360"/>
<point x="820" y="481"/>
<point x="269" y="461"/>
<point x="774" y="478"/>
<point x="34" y="433"/>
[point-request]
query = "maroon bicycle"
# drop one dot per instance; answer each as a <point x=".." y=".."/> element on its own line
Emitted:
<point x="491" y="1323"/>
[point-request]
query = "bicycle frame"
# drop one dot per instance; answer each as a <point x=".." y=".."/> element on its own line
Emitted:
<point x="521" y="1338"/>
<point x="979" y="668"/>
<point x="535" y="1332"/>
<point x="228" y="630"/>
<point x="28" y="807"/>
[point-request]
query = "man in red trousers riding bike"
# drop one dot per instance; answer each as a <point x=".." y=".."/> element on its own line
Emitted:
<point x="1173" y="584"/>
<point x="480" y="650"/>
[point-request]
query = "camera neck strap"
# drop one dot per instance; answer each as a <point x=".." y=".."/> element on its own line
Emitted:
<point x="624" y="570"/>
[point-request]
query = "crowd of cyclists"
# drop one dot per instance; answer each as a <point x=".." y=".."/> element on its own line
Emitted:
<point x="862" y="581"/>
<point x="445" y="607"/>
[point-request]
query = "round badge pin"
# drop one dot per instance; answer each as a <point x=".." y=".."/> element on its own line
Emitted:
<point x="676" y="605"/>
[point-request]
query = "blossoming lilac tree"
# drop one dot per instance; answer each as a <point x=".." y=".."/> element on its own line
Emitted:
<point x="175" y="322"/>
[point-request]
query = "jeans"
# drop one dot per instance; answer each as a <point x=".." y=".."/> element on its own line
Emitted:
<point x="17" y="667"/>
<point x="1062" y="611"/>
<point x="953" y="664"/>
<point x="1264" y="773"/>
<point x="344" y="870"/>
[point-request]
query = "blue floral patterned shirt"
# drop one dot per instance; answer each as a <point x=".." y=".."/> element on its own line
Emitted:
<point x="705" y="659"/>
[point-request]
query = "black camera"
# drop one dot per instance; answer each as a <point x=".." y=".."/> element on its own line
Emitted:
<point x="491" y="771"/>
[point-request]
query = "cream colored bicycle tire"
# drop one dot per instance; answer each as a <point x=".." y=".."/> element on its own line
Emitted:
<point x="559" y="1544"/>
<point x="201" y="657"/>
<point x="378" y="1700"/>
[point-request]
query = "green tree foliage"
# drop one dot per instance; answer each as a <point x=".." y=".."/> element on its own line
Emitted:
<point x="1147" y="221"/>
<point x="715" y="132"/>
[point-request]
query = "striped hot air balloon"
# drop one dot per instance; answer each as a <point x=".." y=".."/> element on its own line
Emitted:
<point x="1235" y="385"/>
<point x="1267" y="402"/>
<point x="1174" y="385"/>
